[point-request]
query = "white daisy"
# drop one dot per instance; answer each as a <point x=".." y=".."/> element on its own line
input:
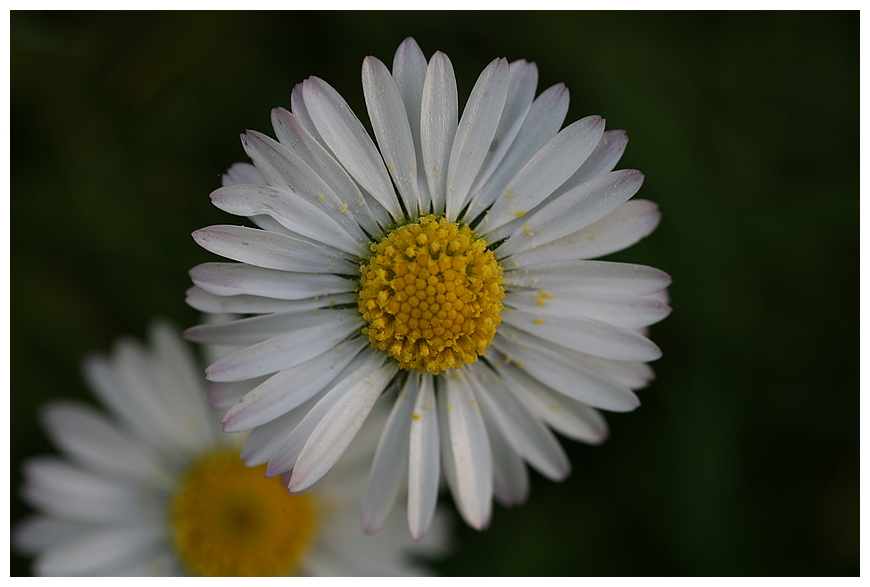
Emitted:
<point x="449" y="262"/>
<point x="158" y="490"/>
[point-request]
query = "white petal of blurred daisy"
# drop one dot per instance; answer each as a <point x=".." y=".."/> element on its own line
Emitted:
<point x="450" y="261"/>
<point x="157" y="489"/>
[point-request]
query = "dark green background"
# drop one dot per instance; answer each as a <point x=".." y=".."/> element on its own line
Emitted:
<point x="743" y="459"/>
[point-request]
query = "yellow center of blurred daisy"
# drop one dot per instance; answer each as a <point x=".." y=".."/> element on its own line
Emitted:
<point x="431" y="295"/>
<point x="228" y="520"/>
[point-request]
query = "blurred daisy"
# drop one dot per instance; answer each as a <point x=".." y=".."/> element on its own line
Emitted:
<point x="449" y="262"/>
<point x="158" y="490"/>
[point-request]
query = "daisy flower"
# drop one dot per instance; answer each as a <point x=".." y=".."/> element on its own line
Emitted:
<point x="444" y="266"/>
<point x="157" y="489"/>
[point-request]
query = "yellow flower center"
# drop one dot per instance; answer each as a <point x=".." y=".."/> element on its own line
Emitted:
<point x="228" y="520"/>
<point x="431" y="295"/>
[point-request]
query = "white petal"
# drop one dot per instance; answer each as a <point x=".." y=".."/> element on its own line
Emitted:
<point x="527" y="435"/>
<point x="359" y="556"/>
<point x="289" y="388"/>
<point x="203" y="301"/>
<point x="386" y="554"/>
<point x="509" y="475"/>
<point x="349" y="141"/>
<point x="99" y="444"/>
<point x="618" y="230"/>
<point x="155" y="402"/>
<point x="223" y="394"/>
<point x="103" y="379"/>
<point x="285" y="170"/>
<point x="661" y="296"/>
<point x="300" y="111"/>
<point x="540" y="177"/>
<point x="242" y="173"/>
<point x="177" y="372"/>
<point x="541" y="124"/>
<point x="282" y="352"/>
<point x="521" y="92"/>
<point x="447" y="463"/>
<point x="633" y="374"/>
<point x="64" y="490"/>
<point x="562" y="373"/>
<point x="392" y="130"/>
<point x="296" y="137"/>
<point x="565" y="277"/>
<point x="603" y="159"/>
<point x="475" y="132"/>
<point x="469" y="451"/>
<point x="229" y="279"/>
<point x="423" y="460"/>
<point x="37" y="533"/>
<point x="440" y="113"/>
<point x="285" y="455"/>
<point x="359" y="455"/>
<point x="339" y="426"/>
<point x="272" y="251"/>
<point x="390" y="465"/>
<point x="100" y="552"/>
<point x="270" y="227"/>
<point x="572" y="211"/>
<point x="321" y="562"/>
<point x="409" y="71"/>
<point x="269" y="224"/>
<point x="436" y="542"/>
<point x="624" y="311"/>
<point x="263" y="441"/>
<point x="586" y="335"/>
<point x="291" y="211"/>
<point x="156" y="391"/>
<point x="256" y="329"/>
<point x="569" y="417"/>
<point x="153" y="561"/>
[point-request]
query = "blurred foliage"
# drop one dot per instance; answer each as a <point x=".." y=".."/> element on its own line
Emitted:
<point x="744" y="458"/>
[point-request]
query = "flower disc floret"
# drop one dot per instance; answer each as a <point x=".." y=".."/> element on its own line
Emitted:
<point x="431" y="295"/>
